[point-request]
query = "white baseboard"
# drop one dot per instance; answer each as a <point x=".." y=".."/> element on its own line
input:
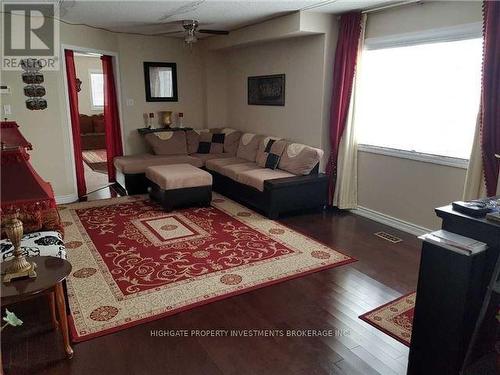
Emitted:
<point x="64" y="199"/>
<point x="391" y="221"/>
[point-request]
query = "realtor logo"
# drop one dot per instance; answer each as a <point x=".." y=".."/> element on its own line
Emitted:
<point x="30" y="30"/>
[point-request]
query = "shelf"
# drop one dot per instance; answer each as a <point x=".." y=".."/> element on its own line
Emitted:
<point x="144" y="131"/>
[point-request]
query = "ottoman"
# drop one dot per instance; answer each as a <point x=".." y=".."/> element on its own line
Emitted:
<point x="178" y="185"/>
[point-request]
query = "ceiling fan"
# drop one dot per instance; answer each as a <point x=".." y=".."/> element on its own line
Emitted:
<point x="190" y="30"/>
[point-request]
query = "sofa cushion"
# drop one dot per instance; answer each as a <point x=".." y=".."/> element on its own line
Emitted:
<point x="133" y="164"/>
<point x="256" y="177"/>
<point x="98" y="124"/>
<point x="211" y="143"/>
<point x="217" y="164"/>
<point x="86" y="124"/>
<point x="231" y="140"/>
<point x="233" y="170"/>
<point x="178" y="176"/>
<point x="206" y="157"/>
<point x="193" y="139"/>
<point x="248" y="145"/>
<point x="167" y="143"/>
<point x="269" y="152"/>
<point x="300" y="159"/>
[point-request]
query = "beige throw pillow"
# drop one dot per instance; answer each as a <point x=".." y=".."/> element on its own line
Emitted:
<point x="193" y="140"/>
<point x="168" y="142"/>
<point x="231" y="140"/>
<point x="248" y="145"/>
<point x="300" y="159"/>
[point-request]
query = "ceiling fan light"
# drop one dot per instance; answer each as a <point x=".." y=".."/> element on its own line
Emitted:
<point x="190" y="38"/>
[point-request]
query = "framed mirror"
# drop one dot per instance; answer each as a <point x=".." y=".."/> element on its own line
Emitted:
<point x="161" y="81"/>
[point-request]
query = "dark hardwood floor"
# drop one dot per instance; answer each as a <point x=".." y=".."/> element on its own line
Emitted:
<point x="331" y="299"/>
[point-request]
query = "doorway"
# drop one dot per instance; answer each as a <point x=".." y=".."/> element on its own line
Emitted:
<point x="93" y="114"/>
<point x="90" y="88"/>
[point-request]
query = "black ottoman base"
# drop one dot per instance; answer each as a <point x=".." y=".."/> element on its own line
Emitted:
<point x="170" y="199"/>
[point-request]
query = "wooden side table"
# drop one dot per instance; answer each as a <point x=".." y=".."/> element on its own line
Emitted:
<point x="51" y="273"/>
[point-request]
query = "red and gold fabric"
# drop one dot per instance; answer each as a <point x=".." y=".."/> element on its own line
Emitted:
<point x="25" y="193"/>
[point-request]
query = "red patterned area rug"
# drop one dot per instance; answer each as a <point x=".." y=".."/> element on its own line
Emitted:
<point x="133" y="262"/>
<point x="394" y="318"/>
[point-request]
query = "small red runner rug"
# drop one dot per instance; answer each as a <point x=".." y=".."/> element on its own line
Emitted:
<point x="394" y="318"/>
<point x="133" y="262"/>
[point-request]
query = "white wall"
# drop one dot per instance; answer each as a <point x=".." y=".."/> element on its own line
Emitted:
<point x="215" y="87"/>
<point x="84" y="65"/>
<point x="301" y="60"/>
<point x="134" y="50"/>
<point x="405" y="189"/>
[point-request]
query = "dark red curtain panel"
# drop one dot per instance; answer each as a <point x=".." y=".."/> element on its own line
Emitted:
<point x="75" y="122"/>
<point x="343" y="76"/>
<point x="111" y="116"/>
<point x="490" y="95"/>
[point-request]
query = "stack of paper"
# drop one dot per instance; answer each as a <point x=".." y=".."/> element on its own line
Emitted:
<point x="455" y="242"/>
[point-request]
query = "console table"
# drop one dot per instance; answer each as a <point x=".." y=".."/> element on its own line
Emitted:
<point x="451" y="289"/>
<point x="144" y="131"/>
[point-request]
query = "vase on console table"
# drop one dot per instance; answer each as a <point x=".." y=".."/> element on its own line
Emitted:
<point x="165" y="118"/>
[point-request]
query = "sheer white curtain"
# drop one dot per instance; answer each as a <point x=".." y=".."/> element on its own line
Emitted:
<point x="160" y="81"/>
<point x="475" y="186"/>
<point x="154" y="81"/>
<point x="346" y="188"/>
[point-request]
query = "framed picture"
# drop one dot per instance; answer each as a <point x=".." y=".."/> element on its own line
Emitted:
<point x="266" y="90"/>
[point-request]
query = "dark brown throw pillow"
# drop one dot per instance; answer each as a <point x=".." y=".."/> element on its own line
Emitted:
<point x="211" y="143"/>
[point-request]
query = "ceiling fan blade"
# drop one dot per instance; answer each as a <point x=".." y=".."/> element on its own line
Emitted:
<point x="214" y="32"/>
<point x="153" y="24"/>
<point x="172" y="23"/>
<point x="169" y="32"/>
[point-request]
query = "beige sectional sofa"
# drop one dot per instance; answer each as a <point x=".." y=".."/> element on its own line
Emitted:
<point x="268" y="173"/>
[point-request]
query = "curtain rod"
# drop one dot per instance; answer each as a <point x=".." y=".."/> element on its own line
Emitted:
<point x="393" y="5"/>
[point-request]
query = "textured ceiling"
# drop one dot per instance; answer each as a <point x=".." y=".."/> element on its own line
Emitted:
<point x="153" y="17"/>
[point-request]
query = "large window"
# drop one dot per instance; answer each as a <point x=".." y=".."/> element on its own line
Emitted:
<point x="422" y="98"/>
<point x="97" y="89"/>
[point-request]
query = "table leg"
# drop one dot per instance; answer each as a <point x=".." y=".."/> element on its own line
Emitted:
<point x="52" y="304"/>
<point x="63" y="319"/>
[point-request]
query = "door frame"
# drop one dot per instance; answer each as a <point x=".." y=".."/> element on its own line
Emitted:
<point x="116" y="71"/>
